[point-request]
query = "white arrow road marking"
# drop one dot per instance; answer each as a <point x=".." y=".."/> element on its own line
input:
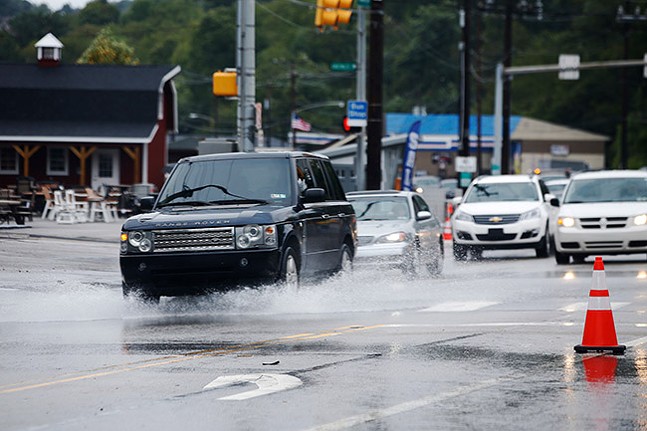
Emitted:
<point x="267" y="384"/>
<point x="458" y="306"/>
<point x="579" y="306"/>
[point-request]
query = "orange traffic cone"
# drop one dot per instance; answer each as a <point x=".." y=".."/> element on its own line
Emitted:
<point x="599" y="330"/>
<point x="447" y="231"/>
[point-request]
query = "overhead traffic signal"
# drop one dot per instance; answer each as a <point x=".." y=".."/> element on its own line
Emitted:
<point x="224" y="83"/>
<point x="333" y="12"/>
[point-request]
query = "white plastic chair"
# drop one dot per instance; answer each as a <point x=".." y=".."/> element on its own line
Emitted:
<point x="62" y="211"/>
<point x="80" y="209"/>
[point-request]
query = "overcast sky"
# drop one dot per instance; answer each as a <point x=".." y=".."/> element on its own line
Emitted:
<point x="57" y="4"/>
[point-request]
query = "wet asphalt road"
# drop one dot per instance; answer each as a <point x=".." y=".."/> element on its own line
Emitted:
<point x="489" y="345"/>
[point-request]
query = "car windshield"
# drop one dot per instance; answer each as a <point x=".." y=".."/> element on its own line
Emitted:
<point x="607" y="190"/>
<point x="381" y="208"/>
<point x="228" y="181"/>
<point x="556" y="188"/>
<point x="492" y="192"/>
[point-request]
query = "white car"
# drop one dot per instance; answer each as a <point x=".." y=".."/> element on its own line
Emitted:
<point x="602" y="212"/>
<point x="502" y="212"/>
<point x="397" y="229"/>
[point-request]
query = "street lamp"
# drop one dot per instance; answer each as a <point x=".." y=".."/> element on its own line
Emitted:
<point x="338" y="103"/>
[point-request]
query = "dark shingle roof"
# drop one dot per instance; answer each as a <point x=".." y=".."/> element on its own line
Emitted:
<point x="80" y="101"/>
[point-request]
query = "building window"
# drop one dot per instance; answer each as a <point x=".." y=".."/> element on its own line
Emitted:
<point x="57" y="161"/>
<point x="8" y="161"/>
<point x="49" y="53"/>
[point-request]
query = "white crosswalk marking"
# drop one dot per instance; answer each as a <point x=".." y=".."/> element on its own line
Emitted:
<point x="580" y="306"/>
<point x="457" y="306"/>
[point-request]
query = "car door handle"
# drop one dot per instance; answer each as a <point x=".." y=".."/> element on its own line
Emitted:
<point x="325" y="216"/>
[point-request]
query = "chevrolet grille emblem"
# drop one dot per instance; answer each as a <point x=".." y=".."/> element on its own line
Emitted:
<point x="496" y="219"/>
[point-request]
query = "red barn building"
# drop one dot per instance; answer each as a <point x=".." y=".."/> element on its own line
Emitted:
<point x="87" y="125"/>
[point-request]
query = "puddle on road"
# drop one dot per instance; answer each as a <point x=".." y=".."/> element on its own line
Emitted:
<point x="79" y="300"/>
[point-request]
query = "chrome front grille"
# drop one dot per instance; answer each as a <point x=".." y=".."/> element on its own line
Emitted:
<point x="603" y="222"/>
<point x="221" y="238"/>
<point x="496" y="219"/>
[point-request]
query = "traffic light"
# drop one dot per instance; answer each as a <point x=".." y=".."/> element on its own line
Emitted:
<point x="348" y="128"/>
<point x="224" y="83"/>
<point x="333" y="12"/>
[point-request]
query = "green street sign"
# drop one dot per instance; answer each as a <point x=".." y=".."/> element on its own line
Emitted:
<point x="364" y="3"/>
<point x="343" y="67"/>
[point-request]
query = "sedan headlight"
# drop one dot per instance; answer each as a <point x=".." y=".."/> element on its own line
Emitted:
<point x="463" y="216"/>
<point x="536" y="213"/>
<point x="640" y="220"/>
<point x="256" y="236"/>
<point x="566" y="221"/>
<point x="391" y="238"/>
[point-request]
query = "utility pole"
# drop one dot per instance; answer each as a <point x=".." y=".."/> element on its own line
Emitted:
<point x="626" y="19"/>
<point x="360" y="158"/>
<point x="507" y="62"/>
<point x="464" y="108"/>
<point x="246" y="65"/>
<point x="375" y="126"/>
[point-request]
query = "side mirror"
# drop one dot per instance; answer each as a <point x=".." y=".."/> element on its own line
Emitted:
<point x="423" y="215"/>
<point x="314" y="195"/>
<point x="457" y="201"/>
<point x="548" y="197"/>
<point x="554" y="202"/>
<point x="146" y="203"/>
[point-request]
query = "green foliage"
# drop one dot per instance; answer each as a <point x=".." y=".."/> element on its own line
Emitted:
<point x="107" y="49"/>
<point x="421" y="58"/>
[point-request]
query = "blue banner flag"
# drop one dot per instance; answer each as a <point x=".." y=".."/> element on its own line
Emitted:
<point x="409" y="159"/>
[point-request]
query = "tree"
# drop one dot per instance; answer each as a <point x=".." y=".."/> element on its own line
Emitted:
<point x="107" y="49"/>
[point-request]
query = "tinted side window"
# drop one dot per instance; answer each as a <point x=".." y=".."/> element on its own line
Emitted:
<point x="419" y="204"/>
<point x="336" y="190"/>
<point x="305" y="178"/>
<point x="319" y="177"/>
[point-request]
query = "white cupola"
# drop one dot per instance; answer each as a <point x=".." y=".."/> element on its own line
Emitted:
<point x="49" y="50"/>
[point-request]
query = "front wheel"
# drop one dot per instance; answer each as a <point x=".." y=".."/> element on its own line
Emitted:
<point x="290" y="270"/>
<point x="460" y="252"/>
<point x="346" y="261"/>
<point x="561" y="258"/>
<point x="542" y="248"/>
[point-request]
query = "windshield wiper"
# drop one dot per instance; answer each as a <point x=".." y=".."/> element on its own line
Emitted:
<point x="186" y="203"/>
<point x="240" y="201"/>
<point x="187" y="192"/>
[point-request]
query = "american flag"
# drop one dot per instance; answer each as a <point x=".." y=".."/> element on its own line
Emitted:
<point x="299" y="123"/>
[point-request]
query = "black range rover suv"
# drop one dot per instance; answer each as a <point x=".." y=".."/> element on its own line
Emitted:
<point x="232" y="219"/>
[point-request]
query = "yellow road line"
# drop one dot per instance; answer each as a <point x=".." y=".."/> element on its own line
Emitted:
<point x="174" y="359"/>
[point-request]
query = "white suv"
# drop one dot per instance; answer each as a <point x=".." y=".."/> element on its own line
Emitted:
<point x="502" y="212"/>
<point x="602" y="212"/>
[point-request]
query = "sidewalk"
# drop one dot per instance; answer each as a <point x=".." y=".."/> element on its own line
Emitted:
<point x="39" y="228"/>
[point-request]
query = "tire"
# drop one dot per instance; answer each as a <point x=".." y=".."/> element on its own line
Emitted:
<point x="139" y="293"/>
<point x="542" y="249"/>
<point x="460" y="252"/>
<point x="289" y="276"/>
<point x="345" y="260"/>
<point x="579" y="258"/>
<point x="562" y="258"/>
<point x="435" y="266"/>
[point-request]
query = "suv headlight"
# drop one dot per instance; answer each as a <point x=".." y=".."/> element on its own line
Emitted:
<point x="393" y="238"/>
<point x="463" y="216"/>
<point x="566" y="221"/>
<point x="256" y="236"/>
<point x="136" y="241"/>
<point x="536" y="213"/>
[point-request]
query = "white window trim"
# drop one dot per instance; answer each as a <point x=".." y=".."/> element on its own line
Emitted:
<point x="64" y="172"/>
<point x="11" y="171"/>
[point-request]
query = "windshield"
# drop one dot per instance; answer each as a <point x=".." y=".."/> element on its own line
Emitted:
<point x="229" y="181"/>
<point x="381" y="208"/>
<point x="491" y="192"/>
<point x="607" y="190"/>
